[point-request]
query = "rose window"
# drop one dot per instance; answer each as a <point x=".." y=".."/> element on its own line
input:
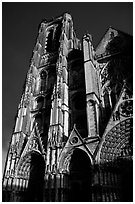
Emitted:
<point x="74" y="140"/>
<point x="126" y="108"/>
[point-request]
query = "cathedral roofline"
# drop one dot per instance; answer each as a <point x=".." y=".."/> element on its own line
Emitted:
<point x="107" y="30"/>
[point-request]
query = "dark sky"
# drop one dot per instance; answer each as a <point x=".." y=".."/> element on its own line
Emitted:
<point x="19" y="31"/>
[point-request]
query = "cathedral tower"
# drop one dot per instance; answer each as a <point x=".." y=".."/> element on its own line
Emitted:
<point x="73" y="127"/>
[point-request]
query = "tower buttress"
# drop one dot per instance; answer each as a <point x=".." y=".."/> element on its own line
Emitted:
<point x="92" y="88"/>
<point x="59" y="118"/>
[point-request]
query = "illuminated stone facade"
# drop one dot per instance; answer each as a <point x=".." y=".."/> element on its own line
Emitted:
<point x="72" y="139"/>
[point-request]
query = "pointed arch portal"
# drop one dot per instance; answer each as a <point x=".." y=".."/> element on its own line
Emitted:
<point x="36" y="178"/>
<point x="80" y="177"/>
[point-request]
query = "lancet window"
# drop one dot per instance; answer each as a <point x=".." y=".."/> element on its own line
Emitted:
<point x="43" y="77"/>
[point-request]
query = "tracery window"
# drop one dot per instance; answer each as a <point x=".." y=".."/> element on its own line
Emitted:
<point x="43" y="76"/>
<point x="40" y="102"/>
<point x="38" y="120"/>
<point x="49" y="47"/>
<point x="53" y="38"/>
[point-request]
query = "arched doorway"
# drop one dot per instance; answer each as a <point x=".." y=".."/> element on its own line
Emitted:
<point x="36" y="178"/>
<point x="80" y="177"/>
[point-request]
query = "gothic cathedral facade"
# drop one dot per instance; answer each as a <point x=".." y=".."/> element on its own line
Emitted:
<point x="72" y="139"/>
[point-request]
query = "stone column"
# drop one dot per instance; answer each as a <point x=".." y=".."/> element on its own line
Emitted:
<point x="97" y="117"/>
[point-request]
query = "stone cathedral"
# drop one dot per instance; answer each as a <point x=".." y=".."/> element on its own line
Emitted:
<point x="73" y="133"/>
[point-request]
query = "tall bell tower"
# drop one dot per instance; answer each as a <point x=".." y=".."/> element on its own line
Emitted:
<point x="41" y="123"/>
